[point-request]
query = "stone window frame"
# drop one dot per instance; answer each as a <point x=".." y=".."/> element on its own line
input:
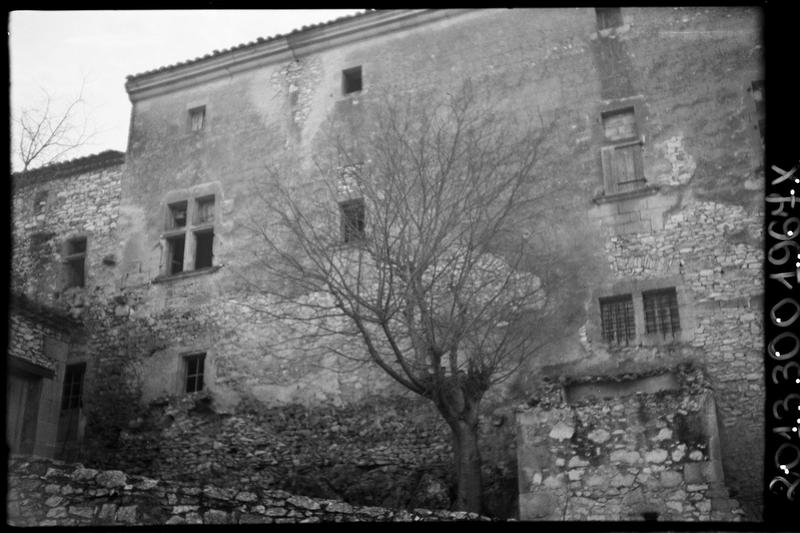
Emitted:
<point x="350" y="76"/>
<point x="189" y="232"/>
<point x="607" y="147"/>
<point x="636" y="289"/>
<point x="72" y="258"/>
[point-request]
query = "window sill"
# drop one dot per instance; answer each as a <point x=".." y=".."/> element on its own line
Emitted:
<point x="647" y="190"/>
<point x="183" y="275"/>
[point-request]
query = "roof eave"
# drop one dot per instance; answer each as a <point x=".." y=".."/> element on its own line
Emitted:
<point x="278" y="50"/>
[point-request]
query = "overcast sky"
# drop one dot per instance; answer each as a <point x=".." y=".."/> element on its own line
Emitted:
<point x="59" y="51"/>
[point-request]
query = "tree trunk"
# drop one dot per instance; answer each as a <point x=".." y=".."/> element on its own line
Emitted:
<point x="468" y="465"/>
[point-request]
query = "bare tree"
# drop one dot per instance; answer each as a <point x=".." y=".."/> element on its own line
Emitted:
<point x="46" y="134"/>
<point x="419" y="234"/>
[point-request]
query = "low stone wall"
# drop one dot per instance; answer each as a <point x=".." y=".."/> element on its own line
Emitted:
<point x="43" y="492"/>
<point x="646" y="454"/>
<point x="389" y="452"/>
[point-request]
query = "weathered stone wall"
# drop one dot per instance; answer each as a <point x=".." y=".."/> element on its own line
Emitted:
<point x="389" y="452"/>
<point x="50" y="205"/>
<point x="47" y="493"/>
<point x="619" y="458"/>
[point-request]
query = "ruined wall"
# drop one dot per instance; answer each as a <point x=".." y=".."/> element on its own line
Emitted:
<point x="599" y="458"/>
<point x="46" y="493"/>
<point x="393" y="453"/>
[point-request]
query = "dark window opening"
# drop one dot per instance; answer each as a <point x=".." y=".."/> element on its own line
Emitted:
<point x="39" y="202"/>
<point x="177" y="215"/>
<point x="351" y="80"/>
<point x="195" y="366"/>
<point x="175" y="246"/>
<point x="608" y="17"/>
<point x="353" y="220"/>
<point x="204" y="252"/>
<point x="72" y="397"/>
<point x="75" y="262"/>
<point x="205" y="210"/>
<point x="197" y="118"/>
<point x="661" y="312"/>
<point x="616" y="315"/>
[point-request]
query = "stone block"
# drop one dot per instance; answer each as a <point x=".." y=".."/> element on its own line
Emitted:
<point x="599" y="436"/>
<point x="692" y="473"/>
<point x="127" y="514"/>
<point x="577" y="462"/>
<point x="670" y="478"/>
<point x="624" y="456"/>
<point x="304" y="503"/>
<point x="252" y="519"/>
<point x="656" y="456"/>
<point x="215" y="516"/>
<point x="562" y="431"/>
<point x="107" y="512"/>
<point x="111" y="479"/>
<point x="83" y="512"/>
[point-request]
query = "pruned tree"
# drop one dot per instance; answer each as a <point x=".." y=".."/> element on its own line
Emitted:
<point x="47" y="133"/>
<point x="419" y="232"/>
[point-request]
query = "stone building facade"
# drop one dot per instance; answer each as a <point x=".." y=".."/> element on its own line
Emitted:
<point x="655" y="145"/>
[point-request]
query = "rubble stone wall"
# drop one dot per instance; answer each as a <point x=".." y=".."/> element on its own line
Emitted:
<point x="47" y="493"/>
<point x="389" y="452"/>
<point x="622" y="458"/>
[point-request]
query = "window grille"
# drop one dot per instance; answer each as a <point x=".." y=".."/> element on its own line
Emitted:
<point x="661" y="312"/>
<point x="616" y="315"/>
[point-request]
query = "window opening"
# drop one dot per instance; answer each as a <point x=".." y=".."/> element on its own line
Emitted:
<point x="75" y="261"/>
<point x="661" y="312"/>
<point x="351" y="80"/>
<point x="197" y="118"/>
<point x="353" y="220"/>
<point x="616" y="315"/>
<point x="39" y="202"/>
<point x="608" y="17"/>
<point x="622" y="154"/>
<point x="175" y="246"/>
<point x="204" y="242"/>
<point x="195" y="367"/>
<point x="72" y="397"/>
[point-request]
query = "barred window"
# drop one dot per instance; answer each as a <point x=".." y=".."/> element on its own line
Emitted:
<point x="661" y="312"/>
<point x="195" y="366"/>
<point x="72" y="397"/>
<point x="616" y="315"/>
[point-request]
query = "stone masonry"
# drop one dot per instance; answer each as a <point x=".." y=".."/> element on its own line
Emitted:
<point x="52" y="493"/>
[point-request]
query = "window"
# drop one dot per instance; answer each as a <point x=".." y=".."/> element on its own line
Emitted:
<point x="175" y="247"/>
<point x="74" y="261"/>
<point x="661" y="312"/>
<point x="72" y="397"/>
<point x="608" y="17"/>
<point x="616" y="315"/>
<point x="177" y="215"/>
<point x="189" y="235"/>
<point x="351" y="80"/>
<point x="39" y="202"/>
<point x="621" y="154"/>
<point x="195" y="366"/>
<point x="197" y="118"/>
<point x="353" y="220"/>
